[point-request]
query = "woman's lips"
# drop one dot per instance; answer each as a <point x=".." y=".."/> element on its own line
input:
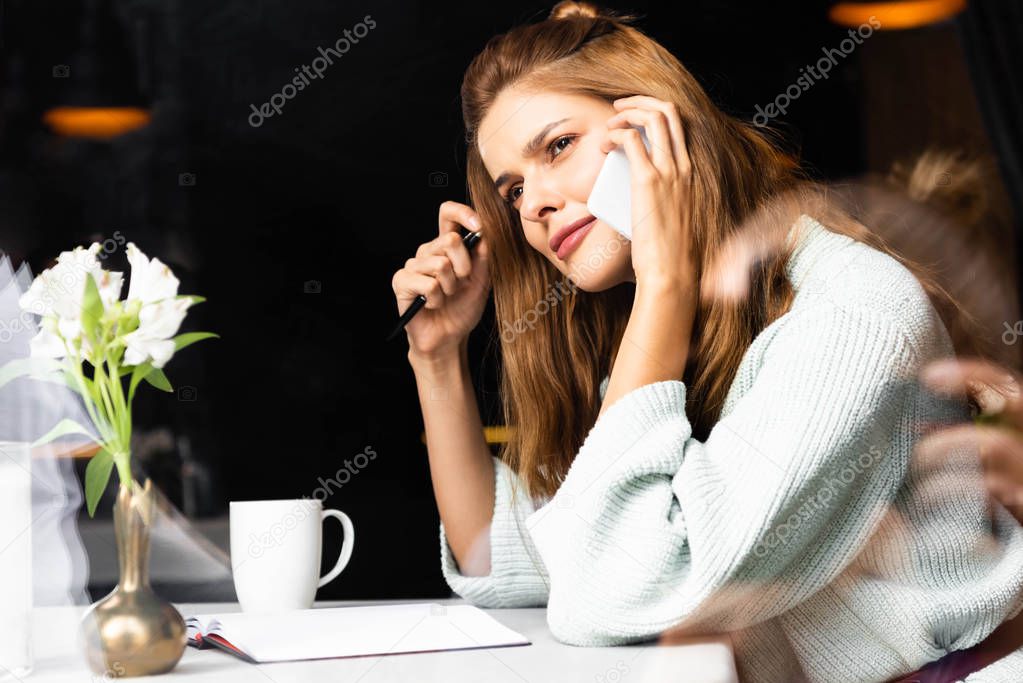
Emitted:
<point x="574" y="238"/>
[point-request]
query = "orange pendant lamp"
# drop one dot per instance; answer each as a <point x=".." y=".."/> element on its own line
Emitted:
<point x="895" y="15"/>
<point x="95" y="95"/>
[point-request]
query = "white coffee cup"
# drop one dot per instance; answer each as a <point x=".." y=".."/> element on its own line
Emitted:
<point x="276" y="547"/>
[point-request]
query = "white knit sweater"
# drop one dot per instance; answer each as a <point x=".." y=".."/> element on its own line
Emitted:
<point x="801" y="525"/>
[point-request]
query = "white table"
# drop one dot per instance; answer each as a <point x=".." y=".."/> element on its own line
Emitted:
<point x="704" y="660"/>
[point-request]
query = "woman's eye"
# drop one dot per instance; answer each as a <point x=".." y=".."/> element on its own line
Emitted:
<point x="554" y="149"/>
<point x="556" y="145"/>
<point x="510" y="195"/>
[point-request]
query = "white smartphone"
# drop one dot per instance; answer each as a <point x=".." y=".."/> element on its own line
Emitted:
<point x="610" y="198"/>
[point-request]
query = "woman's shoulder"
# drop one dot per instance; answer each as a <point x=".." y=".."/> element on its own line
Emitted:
<point x="828" y="269"/>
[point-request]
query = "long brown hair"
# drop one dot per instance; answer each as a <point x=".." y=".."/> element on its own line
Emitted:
<point x="563" y="341"/>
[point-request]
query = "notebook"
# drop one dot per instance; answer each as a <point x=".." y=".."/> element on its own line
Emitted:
<point x="350" y="631"/>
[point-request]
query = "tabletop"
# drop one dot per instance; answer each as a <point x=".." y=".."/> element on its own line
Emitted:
<point x="697" y="660"/>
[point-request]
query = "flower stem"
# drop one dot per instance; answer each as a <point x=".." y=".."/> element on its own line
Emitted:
<point x="89" y="400"/>
<point x="123" y="409"/>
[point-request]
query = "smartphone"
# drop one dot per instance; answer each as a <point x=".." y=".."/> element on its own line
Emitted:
<point x="610" y="197"/>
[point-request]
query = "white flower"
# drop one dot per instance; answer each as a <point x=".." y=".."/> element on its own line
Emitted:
<point x="151" y="281"/>
<point x="57" y="295"/>
<point x="153" y="340"/>
<point x="154" y="286"/>
<point x="46" y="343"/>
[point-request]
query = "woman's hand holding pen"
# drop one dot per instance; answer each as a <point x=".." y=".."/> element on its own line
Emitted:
<point x="661" y="180"/>
<point x="454" y="281"/>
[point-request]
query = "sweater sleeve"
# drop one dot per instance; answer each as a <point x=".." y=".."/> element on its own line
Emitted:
<point x="517" y="576"/>
<point x="653" y="529"/>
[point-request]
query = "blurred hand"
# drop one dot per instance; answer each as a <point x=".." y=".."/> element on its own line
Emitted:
<point x="762" y="236"/>
<point x="454" y="281"/>
<point x="996" y="438"/>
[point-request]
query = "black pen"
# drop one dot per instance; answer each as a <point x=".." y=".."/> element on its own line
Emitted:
<point x="470" y="240"/>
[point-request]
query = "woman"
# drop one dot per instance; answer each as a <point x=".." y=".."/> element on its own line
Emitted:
<point x="680" y="462"/>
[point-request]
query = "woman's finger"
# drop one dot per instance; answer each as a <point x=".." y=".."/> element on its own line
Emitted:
<point x="657" y="132"/>
<point x="640" y="165"/>
<point x="454" y="248"/>
<point x="437" y="266"/>
<point x="680" y="150"/>
<point x="408" y="285"/>
<point x="452" y="215"/>
<point x="451" y="245"/>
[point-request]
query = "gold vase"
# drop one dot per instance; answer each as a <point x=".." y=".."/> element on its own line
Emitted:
<point x="132" y="631"/>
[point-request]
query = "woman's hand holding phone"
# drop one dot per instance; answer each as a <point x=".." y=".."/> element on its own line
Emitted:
<point x="661" y="181"/>
<point x="454" y="281"/>
<point x="660" y="324"/>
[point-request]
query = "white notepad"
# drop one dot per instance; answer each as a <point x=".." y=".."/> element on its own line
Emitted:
<point x="350" y="631"/>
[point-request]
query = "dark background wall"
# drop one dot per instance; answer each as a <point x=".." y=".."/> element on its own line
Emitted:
<point x="293" y="229"/>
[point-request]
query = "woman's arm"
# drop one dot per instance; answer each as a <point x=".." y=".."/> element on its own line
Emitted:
<point x="655" y="344"/>
<point x="652" y="529"/>
<point x="487" y="556"/>
<point x="517" y="575"/>
<point x="460" y="462"/>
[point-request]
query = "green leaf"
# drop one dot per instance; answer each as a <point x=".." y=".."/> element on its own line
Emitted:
<point x="159" y="380"/>
<point x="196" y="299"/>
<point x="137" y="374"/>
<point x="92" y="307"/>
<point x="28" y="366"/>
<point x="189" y="338"/>
<point x="154" y="376"/>
<point x="62" y="428"/>
<point x="97" y="474"/>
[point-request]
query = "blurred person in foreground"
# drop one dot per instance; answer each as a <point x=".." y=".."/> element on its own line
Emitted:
<point x="935" y="212"/>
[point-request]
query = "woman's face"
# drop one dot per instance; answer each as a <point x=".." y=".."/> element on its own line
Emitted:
<point x="543" y="151"/>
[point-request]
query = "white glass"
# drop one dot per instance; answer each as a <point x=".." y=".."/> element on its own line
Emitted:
<point x="276" y="547"/>
<point x="15" y="560"/>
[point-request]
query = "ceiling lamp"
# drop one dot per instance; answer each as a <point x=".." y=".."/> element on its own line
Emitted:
<point x="895" y="15"/>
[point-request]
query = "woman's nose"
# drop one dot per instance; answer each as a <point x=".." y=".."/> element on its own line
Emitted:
<point x="539" y="204"/>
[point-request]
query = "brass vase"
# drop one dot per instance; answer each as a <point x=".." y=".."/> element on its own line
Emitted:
<point x="132" y="631"/>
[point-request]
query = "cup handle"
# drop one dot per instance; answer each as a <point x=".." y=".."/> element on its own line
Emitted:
<point x="346" y="545"/>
